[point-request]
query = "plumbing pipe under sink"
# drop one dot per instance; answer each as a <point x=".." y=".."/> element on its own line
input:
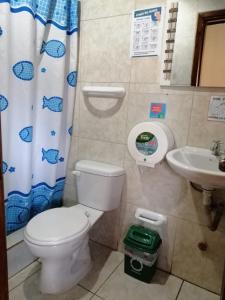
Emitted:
<point x="213" y="209"/>
<point x="200" y="167"/>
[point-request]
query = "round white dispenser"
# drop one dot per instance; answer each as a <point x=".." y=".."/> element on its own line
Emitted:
<point x="149" y="142"/>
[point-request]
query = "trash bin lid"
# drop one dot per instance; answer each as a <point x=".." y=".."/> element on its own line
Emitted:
<point x="142" y="239"/>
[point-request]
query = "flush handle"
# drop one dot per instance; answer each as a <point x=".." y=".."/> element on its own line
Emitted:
<point x="76" y="173"/>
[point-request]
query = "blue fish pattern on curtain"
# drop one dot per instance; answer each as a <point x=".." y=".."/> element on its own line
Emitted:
<point x="62" y="13"/>
<point x="38" y="78"/>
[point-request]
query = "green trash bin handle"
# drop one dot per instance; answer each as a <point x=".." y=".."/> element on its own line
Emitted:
<point x="139" y="236"/>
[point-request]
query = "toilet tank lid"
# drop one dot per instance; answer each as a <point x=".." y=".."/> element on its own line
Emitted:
<point x="98" y="168"/>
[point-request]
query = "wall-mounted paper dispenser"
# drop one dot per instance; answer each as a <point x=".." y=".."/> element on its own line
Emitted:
<point x="148" y="143"/>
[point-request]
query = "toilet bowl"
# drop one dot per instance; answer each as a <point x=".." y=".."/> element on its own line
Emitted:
<point x="63" y="250"/>
<point x="59" y="236"/>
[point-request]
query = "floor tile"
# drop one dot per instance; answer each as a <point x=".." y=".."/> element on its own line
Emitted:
<point x="23" y="275"/>
<point x="194" y="265"/>
<point x="121" y="286"/>
<point x="29" y="291"/>
<point x="104" y="263"/>
<point x="193" y="292"/>
<point x="18" y="258"/>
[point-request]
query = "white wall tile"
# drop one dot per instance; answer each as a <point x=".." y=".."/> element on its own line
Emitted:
<point x="94" y="9"/>
<point x="159" y="189"/>
<point x="203" y="132"/>
<point x="146" y="3"/>
<point x="177" y="115"/>
<point x="105" y="50"/>
<point x="103" y="118"/>
<point x="70" y="196"/>
<point x="107" y="230"/>
<point x="149" y="74"/>
<point x="101" y="151"/>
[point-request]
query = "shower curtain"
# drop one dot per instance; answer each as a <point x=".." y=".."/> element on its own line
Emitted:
<point x="38" y="62"/>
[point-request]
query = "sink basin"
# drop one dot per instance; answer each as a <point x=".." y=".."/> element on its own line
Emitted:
<point x="197" y="165"/>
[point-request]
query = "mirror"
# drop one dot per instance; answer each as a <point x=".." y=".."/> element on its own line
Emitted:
<point x="209" y="56"/>
<point x="188" y="68"/>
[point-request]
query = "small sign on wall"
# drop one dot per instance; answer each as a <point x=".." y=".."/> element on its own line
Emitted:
<point x="217" y="108"/>
<point x="146" y="32"/>
<point x="158" y="110"/>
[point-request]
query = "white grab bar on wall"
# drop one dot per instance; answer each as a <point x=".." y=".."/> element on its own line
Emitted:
<point x="104" y="91"/>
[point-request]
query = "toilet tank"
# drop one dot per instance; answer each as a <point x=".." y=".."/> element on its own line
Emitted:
<point x="99" y="185"/>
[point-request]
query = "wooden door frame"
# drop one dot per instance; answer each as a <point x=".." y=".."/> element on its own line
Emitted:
<point x="204" y="19"/>
<point x="223" y="287"/>
<point x="3" y="250"/>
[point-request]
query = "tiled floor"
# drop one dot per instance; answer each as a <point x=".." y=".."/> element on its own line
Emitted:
<point x="107" y="281"/>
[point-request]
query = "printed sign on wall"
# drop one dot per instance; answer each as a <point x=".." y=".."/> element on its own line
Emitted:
<point x="146" y="33"/>
<point x="217" y="108"/>
<point x="158" y="110"/>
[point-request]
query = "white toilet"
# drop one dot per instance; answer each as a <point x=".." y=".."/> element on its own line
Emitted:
<point x="59" y="236"/>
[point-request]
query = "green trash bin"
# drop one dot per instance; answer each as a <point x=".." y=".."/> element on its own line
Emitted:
<point x="141" y="252"/>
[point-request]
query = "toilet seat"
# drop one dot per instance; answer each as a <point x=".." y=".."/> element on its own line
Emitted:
<point x="56" y="226"/>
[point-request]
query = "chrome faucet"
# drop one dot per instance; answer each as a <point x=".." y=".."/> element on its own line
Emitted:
<point x="216" y="148"/>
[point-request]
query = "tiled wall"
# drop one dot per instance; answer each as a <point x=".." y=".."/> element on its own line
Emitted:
<point x="101" y="127"/>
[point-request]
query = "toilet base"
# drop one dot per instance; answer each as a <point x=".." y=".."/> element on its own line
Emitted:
<point x="58" y="276"/>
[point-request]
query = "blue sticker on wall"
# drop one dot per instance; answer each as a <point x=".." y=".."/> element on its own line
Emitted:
<point x="158" y="110"/>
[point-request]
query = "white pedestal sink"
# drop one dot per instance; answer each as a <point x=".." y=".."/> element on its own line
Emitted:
<point x="197" y="165"/>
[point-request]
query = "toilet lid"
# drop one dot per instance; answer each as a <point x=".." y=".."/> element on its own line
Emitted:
<point x="56" y="226"/>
